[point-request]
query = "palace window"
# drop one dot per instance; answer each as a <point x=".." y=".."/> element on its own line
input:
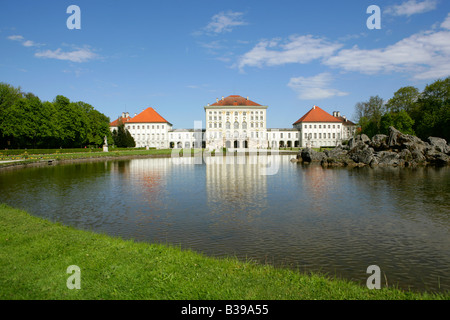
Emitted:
<point x="228" y="124"/>
<point x="244" y="125"/>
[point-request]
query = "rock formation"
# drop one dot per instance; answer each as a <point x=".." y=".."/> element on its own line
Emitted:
<point x="395" y="149"/>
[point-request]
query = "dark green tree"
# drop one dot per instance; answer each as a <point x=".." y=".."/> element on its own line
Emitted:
<point x="433" y="113"/>
<point x="404" y="99"/>
<point x="8" y="97"/>
<point x="122" y="137"/>
<point x="399" y="120"/>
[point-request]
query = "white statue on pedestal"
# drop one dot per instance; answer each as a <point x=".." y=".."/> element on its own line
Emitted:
<point x="105" y="145"/>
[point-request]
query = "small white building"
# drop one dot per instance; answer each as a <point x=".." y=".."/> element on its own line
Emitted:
<point x="149" y="129"/>
<point x="317" y="128"/>
<point x="283" y="138"/>
<point x="186" y="138"/>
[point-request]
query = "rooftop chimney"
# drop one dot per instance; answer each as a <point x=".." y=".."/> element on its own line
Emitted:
<point x="127" y="114"/>
<point x="123" y="114"/>
<point x="217" y="99"/>
<point x="222" y="98"/>
<point x="247" y="97"/>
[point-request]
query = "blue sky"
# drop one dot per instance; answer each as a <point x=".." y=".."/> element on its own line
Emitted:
<point x="177" y="56"/>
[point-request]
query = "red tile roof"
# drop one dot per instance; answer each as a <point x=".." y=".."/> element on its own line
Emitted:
<point x="316" y="114"/>
<point x="148" y="115"/>
<point x="115" y="123"/>
<point x="235" y="100"/>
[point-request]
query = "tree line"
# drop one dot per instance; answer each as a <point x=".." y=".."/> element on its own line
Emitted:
<point x="424" y="114"/>
<point x="28" y="122"/>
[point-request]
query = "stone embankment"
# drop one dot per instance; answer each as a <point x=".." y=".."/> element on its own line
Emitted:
<point x="395" y="149"/>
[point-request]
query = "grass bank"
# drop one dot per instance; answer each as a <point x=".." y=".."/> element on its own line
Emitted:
<point x="35" y="254"/>
<point x="33" y="158"/>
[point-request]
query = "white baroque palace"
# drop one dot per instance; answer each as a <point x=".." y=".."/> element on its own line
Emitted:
<point x="235" y="122"/>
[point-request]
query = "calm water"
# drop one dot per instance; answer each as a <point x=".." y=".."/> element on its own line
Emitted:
<point x="337" y="221"/>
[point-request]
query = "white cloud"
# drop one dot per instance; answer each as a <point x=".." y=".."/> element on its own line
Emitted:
<point x="426" y="55"/>
<point x="298" y="49"/>
<point x="446" y="23"/>
<point x="423" y="56"/>
<point x="25" y="43"/>
<point x="410" y="7"/>
<point x="225" y="22"/>
<point x="77" y="55"/>
<point x="315" y="87"/>
<point x="29" y="43"/>
<point x="16" y="38"/>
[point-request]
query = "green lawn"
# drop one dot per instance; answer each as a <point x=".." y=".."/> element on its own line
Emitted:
<point x="35" y="254"/>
